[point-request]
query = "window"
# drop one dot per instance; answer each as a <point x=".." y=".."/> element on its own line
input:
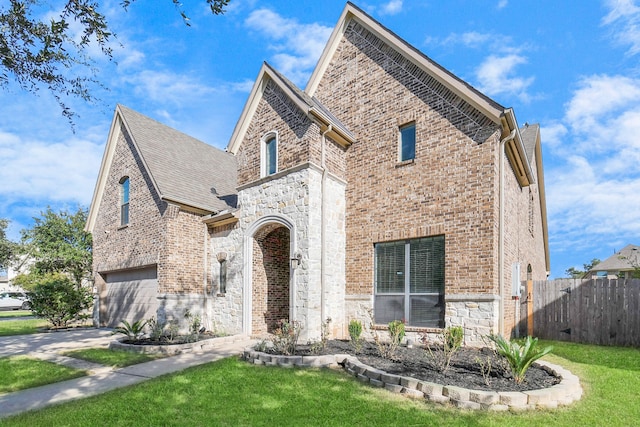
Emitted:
<point x="269" y="154"/>
<point x="408" y="142"/>
<point x="124" y="201"/>
<point x="409" y="282"/>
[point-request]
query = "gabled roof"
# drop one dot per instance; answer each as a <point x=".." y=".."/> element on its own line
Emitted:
<point x="477" y="99"/>
<point x="182" y="169"/>
<point x="307" y="104"/>
<point x="626" y="259"/>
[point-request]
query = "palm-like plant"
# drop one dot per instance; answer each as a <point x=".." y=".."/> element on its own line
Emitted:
<point x="132" y="331"/>
<point x="519" y="357"/>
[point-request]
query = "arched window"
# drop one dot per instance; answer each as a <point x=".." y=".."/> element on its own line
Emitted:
<point x="269" y="164"/>
<point x="124" y="201"/>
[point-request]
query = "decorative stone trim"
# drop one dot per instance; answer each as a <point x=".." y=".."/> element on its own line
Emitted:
<point x="173" y="349"/>
<point x="562" y="394"/>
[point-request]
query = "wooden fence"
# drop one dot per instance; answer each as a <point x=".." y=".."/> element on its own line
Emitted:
<point x="601" y="311"/>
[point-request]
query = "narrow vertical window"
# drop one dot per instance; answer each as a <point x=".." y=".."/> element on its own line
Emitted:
<point x="271" y="155"/>
<point x="124" y="201"/>
<point x="408" y="142"/>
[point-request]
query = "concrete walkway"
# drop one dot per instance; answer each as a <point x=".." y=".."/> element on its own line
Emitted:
<point x="48" y="346"/>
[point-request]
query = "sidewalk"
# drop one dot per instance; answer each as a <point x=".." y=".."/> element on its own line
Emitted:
<point x="100" y="378"/>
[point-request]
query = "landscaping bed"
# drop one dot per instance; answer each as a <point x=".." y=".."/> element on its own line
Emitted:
<point x="465" y="383"/>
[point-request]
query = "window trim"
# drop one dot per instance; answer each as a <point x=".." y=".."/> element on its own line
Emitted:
<point x="264" y="155"/>
<point x="401" y="142"/>
<point x="125" y="198"/>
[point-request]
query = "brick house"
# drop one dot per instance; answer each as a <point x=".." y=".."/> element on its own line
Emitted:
<point x="387" y="187"/>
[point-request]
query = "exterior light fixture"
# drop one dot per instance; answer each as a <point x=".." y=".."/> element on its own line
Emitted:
<point x="296" y="260"/>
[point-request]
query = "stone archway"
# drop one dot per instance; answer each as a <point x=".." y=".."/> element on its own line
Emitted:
<point x="270" y="290"/>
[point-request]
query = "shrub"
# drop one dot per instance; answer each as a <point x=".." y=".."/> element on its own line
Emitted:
<point x="318" y="346"/>
<point x="133" y="332"/>
<point x="285" y="337"/>
<point x="57" y="299"/>
<point x="519" y="357"/>
<point x="396" y="331"/>
<point x="195" y="323"/>
<point x="156" y="329"/>
<point x="442" y="354"/>
<point x="355" y="332"/>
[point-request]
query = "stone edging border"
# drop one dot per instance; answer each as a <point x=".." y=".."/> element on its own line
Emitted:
<point x="562" y="394"/>
<point x="173" y="349"/>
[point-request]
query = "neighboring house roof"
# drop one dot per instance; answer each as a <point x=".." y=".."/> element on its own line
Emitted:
<point x="626" y="259"/>
<point x="183" y="170"/>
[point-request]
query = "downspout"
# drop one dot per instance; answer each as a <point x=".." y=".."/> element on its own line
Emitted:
<point x="205" y="315"/>
<point x="501" y="234"/>
<point x="323" y="226"/>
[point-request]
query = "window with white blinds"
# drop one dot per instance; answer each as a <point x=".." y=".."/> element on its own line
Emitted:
<point x="409" y="282"/>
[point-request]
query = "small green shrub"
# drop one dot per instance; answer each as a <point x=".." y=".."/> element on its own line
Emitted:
<point x="133" y="331"/>
<point x="59" y="300"/>
<point x="441" y="354"/>
<point x="519" y="357"/>
<point x="355" y="333"/>
<point x="156" y="329"/>
<point x="285" y="337"/>
<point x="195" y="323"/>
<point x="396" y="331"/>
<point x="318" y="346"/>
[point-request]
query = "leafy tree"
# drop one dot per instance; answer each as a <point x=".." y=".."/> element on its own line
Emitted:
<point x="574" y="273"/>
<point x="57" y="299"/>
<point x="57" y="242"/>
<point x="39" y="44"/>
<point x="7" y="248"/>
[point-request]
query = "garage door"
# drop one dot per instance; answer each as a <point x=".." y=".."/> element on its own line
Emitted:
<point x="131" y="296"/>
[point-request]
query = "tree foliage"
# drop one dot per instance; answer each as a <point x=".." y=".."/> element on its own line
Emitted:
<point x="57" y="242"/>
<point x="41" y="46"/>
<point x="574" y="273"/>
<point x="7" y="248"/>
<point x="57" y="299"/>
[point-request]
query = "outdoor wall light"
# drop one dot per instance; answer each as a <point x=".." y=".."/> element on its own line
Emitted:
<point x="295" y="261"/>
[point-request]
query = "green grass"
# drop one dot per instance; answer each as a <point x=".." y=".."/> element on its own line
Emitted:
<point x="21" y="327"/>
<point x="107" y="357"/>
<point x="15" y="313"/>
<point x="21" y="372"/>
<point x="233" y="393"/>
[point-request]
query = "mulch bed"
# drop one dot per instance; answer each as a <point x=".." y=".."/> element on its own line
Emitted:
<point x="464" y="371"/>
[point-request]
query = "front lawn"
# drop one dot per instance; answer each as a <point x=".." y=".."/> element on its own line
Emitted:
<point x="114" y="358"/>
<point x="234" y="393"/>
<point x="21" y="326"/>
<point x="21" y="372"/>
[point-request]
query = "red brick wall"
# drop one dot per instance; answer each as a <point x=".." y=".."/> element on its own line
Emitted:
<point x="449" y="189"/>
<point x="270" y="281"/>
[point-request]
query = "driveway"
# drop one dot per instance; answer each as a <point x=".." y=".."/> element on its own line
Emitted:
<point x="55" y="341"/>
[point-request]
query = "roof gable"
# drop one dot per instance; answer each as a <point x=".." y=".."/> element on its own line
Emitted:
<point x="307" y="104"/>
<point x="626" y="259"/>
<point x="182" y="169"/>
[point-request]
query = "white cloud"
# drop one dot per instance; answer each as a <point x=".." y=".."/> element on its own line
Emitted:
<point x="502" y="4"/>
<point x="496" y="76"/>
<point x="391" y="8"/>
<point x="592" y="193"/>
<point x="42" y="170"/>
<point x="297" y="46"/>
<point x="624" y="20"/>
<point x="167" y="86"/>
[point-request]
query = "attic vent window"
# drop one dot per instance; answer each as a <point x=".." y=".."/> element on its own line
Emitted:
<point x="124" y="201"/>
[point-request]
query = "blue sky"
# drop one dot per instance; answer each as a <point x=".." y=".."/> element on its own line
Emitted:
<point x="571" y="66"/>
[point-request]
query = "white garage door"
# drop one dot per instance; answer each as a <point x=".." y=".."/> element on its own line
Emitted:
<point x="131" y="296"/>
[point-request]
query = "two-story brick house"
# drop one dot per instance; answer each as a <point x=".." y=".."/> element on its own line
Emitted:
<point x="387" y="186"/>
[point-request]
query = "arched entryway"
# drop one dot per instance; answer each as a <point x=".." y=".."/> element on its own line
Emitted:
<point x="271" y="278"/>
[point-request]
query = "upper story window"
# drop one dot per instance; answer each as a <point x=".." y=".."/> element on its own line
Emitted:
<point x="124" y="201"/>
<point x="408" y="142"/>
<point x="269" y="153"/>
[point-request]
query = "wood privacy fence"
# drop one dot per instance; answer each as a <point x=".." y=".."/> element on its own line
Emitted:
<point x="600" y="311"/>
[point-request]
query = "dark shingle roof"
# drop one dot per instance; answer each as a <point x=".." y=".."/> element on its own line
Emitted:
<point x="185" y="170"/>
